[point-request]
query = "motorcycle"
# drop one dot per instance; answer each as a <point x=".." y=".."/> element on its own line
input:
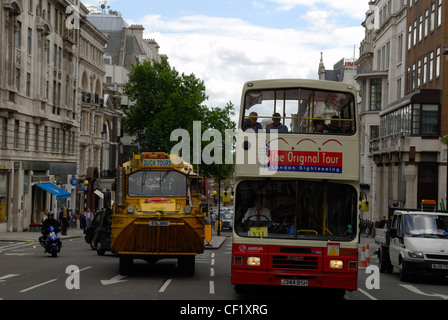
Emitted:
<point x="52" y="243"/>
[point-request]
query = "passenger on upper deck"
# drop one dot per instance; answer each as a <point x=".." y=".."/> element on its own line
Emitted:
<point x="251" y="123"/>
<point x="319" y="126"/>
<point x="334" y="126"/>
<point x="346" y="127"/>
<point x="276" y="125"/>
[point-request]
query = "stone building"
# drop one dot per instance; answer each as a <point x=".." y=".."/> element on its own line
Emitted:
<point x="50" y="55"/>
<point x="402" y="72"/>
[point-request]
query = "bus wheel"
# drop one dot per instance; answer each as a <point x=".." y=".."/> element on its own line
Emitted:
<point x="125" y="265"/>
<point x="187" y="265"/>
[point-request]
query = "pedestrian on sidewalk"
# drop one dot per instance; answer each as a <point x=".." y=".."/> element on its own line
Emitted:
<point x="82" y="221"/>
<point x="89" y="216"/>
<point x="64" y="220"/>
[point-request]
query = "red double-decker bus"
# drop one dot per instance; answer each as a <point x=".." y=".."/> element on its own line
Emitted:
<point x="297" y="186"/>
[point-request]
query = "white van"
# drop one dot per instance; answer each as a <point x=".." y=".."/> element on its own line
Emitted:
<point x="417" y="243"/>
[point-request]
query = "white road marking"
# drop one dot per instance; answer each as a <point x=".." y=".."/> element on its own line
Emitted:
<point x="417" y="291"/>
<point x="39" y="285"/>
<point x="9" y="276"/>
<point x="367" y="295"/>
<point x="165" y="285"/>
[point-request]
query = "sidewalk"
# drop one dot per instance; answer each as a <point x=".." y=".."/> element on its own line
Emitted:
<point x="25" y="236"/>
<point x="34" y="236"/>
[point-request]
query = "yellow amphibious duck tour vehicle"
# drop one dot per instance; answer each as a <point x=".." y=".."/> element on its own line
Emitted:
<point x="157" y="212"/>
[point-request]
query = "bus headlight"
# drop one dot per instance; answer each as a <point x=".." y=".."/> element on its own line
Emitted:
<point x="336" y="264"/>
<point x="187" y="209"/>
<point x="254" y="261"/>
<point x="130" y="209"/>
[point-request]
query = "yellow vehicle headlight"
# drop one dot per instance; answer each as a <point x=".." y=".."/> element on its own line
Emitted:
<point x="337" y="264"/>
<point x="187" y="209"/>
<point x="130" y="209"/>
<point x="254" y="261"/>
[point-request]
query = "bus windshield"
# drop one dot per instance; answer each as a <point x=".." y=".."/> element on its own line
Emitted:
<point x="300" y="111"/>
<point x="157" y="183"/>
<point x="302" y="210"/>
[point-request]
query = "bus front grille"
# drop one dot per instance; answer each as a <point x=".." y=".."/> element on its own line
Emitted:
<point x="295" y="262"/>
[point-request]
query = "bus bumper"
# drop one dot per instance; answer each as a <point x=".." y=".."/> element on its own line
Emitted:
<point x="347" y="281"/>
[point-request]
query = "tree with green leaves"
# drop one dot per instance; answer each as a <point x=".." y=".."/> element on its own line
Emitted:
<point x="164" y="100"/>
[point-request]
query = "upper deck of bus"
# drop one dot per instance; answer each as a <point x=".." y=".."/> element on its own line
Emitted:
<point x="319" y="131"/>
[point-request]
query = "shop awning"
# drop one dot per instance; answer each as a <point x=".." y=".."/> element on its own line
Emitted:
<point x="58" y="192"/>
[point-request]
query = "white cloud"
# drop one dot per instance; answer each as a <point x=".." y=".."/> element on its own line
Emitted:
<point x="354" y="8"/>
<point x="227" y="52"/>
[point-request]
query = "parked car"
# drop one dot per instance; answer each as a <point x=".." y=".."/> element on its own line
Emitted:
<point x="98" y="235"/>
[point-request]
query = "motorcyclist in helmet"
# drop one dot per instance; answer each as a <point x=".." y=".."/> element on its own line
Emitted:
<point x="49" y="222"/>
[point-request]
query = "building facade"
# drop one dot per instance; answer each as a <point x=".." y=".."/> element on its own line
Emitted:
<point x="381" y="74"/>
<point x="41" y="109"/>
<point x="404" y="109"/>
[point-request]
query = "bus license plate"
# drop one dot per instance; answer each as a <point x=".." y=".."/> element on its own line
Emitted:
<point x="159" y="223"/>
<point x="440" y="266"/>
<point x="294" y="283"/>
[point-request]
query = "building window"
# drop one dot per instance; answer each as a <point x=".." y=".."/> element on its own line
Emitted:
<point x="438" y="61"/>
<point x="425" y="120"/>
<point x="18" y="35"/>
<point x="28" y="84"/>
<point x="415" y="33"/>
<point x="375" y="94"/>
<point x="413" y="77"/>
<point x="27" y="135"/>
<point x="46" y="138"/>
<point x="53" y="139"/>
<point x="439" y="14"/>
<point x="374" y="132"/>
<point x="4" y="123"/>
<point x="30" y="41"/>
<point x="419" y="73"/>
<point x="47" y="51"/>
<point x="16" y="134"/>
<point x="420" y="28"/>
<point x="36" y="137"/>
<point x="426" y="23"/>
<point x="431" y="66"/>
<point x="410" y="38"/>
<point x="400" y="48"/>
<point x="433" y="17"/>
<point x="408" y="80"/>
<point x="425" y="69"/>
<point x="18" y="79"/>
<point x="397" y="122"/>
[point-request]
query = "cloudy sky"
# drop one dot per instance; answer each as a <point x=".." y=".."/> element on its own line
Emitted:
<point x="228" y="42"/>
